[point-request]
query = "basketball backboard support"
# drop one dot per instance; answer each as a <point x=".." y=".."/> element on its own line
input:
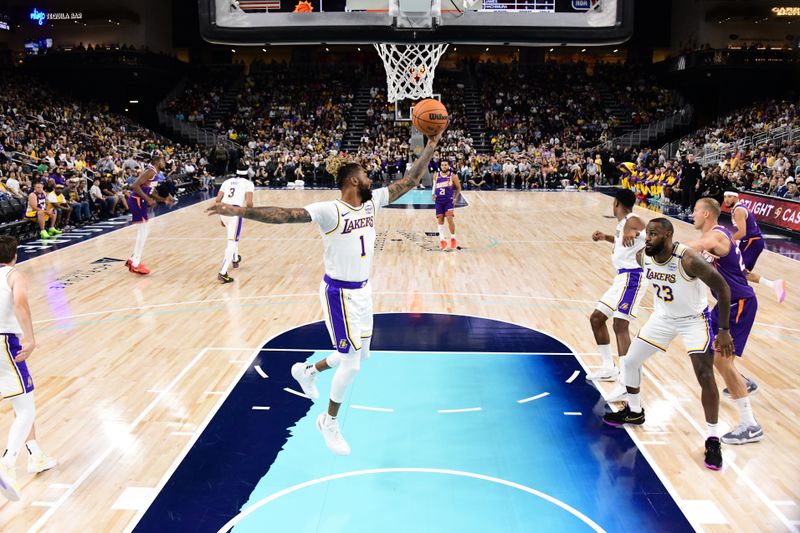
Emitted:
<point x="403" y="108"/>
<point x="505" y="22"/>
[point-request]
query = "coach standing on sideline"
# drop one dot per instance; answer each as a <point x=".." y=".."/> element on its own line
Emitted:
<point x="690" y="181"/>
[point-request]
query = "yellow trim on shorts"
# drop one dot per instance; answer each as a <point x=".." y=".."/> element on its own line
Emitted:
<point x="356" y="345"/>
<point x="704" y="349"/>
<point x="651" y="343"/>
<point x="7" y="350"/>
<point x="625" y="288"/>
<point x="636" y="296"/>
<point x="602" y="302"/>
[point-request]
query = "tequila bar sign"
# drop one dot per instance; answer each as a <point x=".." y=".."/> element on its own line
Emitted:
<point x="40" y="17"/>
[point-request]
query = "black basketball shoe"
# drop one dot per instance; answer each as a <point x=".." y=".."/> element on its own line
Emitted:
<point x="713" y="454"/>
<point x="624" y="416"/>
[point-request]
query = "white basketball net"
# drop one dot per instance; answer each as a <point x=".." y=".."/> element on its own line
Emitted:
<point x="410" y="68"/>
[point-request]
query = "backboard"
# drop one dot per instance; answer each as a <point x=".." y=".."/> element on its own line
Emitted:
<point x="512" y="22"/>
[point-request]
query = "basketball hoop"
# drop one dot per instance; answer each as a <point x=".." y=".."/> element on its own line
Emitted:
<point x="410" y="69"/>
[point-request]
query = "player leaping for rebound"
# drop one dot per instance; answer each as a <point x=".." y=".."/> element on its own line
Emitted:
<point x="446" y="190"/>
<point x="144" y="196"/>
<point x="347" y="227"/>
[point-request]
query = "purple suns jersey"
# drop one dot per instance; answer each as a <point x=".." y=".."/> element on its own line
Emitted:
<point x="148" y="187"/>
<point x="732" y="269"/>
<point x="751" y="226"/>
<point x="443" y="187"/>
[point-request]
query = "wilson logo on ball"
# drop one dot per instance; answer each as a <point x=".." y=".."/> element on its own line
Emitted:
<point x="436" y="116"/>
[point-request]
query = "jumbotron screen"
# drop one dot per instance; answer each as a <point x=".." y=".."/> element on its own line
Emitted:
<point x="332" y="6"/>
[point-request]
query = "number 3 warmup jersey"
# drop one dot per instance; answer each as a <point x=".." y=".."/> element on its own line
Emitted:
<point x="234" y="190"/>
<point x="348" y="235"/>
<point x="677" y="294"/>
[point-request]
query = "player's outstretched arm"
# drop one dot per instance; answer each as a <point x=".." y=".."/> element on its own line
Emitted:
<point x="399" y="187"/>
<point x="267" y="215"/>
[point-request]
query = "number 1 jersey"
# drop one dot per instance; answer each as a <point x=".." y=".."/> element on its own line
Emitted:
<point x="348" y="235"/>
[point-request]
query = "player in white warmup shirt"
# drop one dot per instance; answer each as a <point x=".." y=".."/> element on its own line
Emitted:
<point x="347" y="227"/>
<point x="16" y="384"/>
<point x="237" y="192"/>
<point x="679" y="277"/>
<point x="621" y="301"/>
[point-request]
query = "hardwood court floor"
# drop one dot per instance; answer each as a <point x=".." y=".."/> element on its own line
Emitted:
<point x="128" y="368"/>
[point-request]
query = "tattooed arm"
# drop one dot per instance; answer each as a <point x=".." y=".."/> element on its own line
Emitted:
<point x="267" y="215"/>
<point x="399" y="187"/>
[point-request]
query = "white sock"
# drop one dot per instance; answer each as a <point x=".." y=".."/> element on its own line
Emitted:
<point x="605" y="352"/>
<point x="452" y="235"/>
<point x="141" y="237"/>
<point x="24" y="414"/>
<point x="745" y="411"/>
<point x="33" y="447"/>
<point x="311" y="370"/>
<point x="635" y="402"/>
<point x="713" y="430"/>
<point x="230" y="254"/>
<point x="766" y="282"/>
<point x="441" y="232"/>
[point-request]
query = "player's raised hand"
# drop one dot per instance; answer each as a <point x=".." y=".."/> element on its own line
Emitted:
<point x="598" y="236"/>
<point x="169" y="200"/>
<point x="628" y="238"/>
<point x="436" y="138"/>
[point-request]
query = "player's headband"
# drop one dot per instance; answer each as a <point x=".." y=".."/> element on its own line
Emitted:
<point x="732" y="193"/>
<point x="241" y="173"/>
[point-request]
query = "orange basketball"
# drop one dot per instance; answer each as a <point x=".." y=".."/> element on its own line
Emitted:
<point x="429" y="116"/>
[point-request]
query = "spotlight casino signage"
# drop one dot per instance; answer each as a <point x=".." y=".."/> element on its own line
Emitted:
<point x="778" y="212"/>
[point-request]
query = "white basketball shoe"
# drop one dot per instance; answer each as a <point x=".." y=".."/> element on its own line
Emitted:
<point x="329" y="427"/>
<point x="306" y="380"/>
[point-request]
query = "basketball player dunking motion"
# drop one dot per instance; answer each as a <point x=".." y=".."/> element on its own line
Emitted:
<point x="622" y="300"/>
<point x="16" y="384"/>
<point x="347" y="226"/>
<point x="681" y="308"/>
<point x="717" y="243"/>
<point x="144" y="196"/>
<point x="446" y="189"/>
<point x="237" y="192"/>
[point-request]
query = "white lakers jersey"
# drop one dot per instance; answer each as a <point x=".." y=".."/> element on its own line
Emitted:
<point x="234" y="190"/>
<point x="622" y="257"/>
<point x="348" y="235"/>
<point x="677" y="294"/>
<point x="8" y="319"/>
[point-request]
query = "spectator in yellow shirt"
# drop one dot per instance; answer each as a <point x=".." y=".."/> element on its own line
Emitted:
<point x="59" y="205"/>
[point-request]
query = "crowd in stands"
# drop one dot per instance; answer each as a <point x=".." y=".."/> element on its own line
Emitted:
<point x="76" y="149"/>
<point x="540" y="138"/>
<point x="761" y="117"/>
<point x="196" y="101"/>
<point x="771" y="167"/>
